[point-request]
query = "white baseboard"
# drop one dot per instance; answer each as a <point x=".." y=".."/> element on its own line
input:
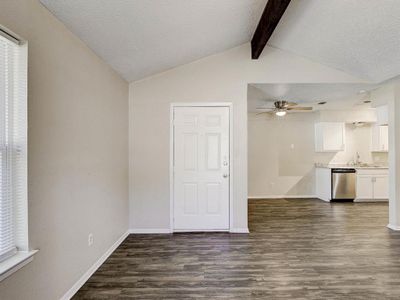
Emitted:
<point x="393" y="227"/>
<point x="150" y="230"/>
<point x="325" y="200"/>
<point x="199" y="230"/>
<point x="71" y="292"/>
<point x="281" y="197"/>
<point x="239" y="230"/>
<point x="168" y="231"/>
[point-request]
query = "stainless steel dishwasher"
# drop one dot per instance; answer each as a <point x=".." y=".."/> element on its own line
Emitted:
<point x="343" y="184"/>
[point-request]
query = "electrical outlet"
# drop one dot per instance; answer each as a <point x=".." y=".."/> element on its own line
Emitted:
<point x="90" y="239"/>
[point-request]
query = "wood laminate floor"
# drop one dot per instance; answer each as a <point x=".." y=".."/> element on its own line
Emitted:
<point x="297" y="249"/>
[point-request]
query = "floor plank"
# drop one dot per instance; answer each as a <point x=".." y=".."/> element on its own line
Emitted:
<point x="296" y="249"/>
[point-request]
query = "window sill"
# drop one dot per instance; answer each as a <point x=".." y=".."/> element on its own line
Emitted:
<point x="16" y="262"/>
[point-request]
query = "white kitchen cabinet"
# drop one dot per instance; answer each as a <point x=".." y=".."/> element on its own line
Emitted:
<point x="372" y="184"/>
<point x="381" y="187"/>
<point x="382" y="115"/>
<point x="329" y="136"/>
<point x="364" y="187"/>
<point x="380" y="138"/>
<point x="323" y="183"/>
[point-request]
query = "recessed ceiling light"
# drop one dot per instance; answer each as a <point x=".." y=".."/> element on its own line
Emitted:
<point x="322" y="103"/>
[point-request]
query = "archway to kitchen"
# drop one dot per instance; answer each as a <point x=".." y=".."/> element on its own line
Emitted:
<point x="328" y="148"/>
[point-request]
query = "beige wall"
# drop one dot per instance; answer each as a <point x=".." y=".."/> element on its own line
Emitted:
<point x="220" y="78"/>
<point x="78" y="154"/>
<point x="281" y="153"/>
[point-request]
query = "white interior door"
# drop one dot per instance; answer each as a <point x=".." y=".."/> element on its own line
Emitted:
<point x="201" y="168"/>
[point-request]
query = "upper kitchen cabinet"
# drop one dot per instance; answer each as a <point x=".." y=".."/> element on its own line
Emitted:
<point x="382" y="115"/>
<point x="329" y="136"/>
<point x="380" y="139"/>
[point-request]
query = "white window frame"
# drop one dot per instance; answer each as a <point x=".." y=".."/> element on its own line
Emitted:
<point x="23" y="255"/>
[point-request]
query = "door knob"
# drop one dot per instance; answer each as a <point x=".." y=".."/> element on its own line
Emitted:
<point x="225" y="175"/>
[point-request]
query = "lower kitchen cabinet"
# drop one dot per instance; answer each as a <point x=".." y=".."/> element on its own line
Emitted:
<point x="381" y="187"/>
<point x="365" y="188"/>
<point x="372" y="184"/>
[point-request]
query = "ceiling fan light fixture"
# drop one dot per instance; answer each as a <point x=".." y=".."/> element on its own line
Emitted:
<point x="280" y="113"/>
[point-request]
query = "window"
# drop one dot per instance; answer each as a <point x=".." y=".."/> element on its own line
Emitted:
<point x="13" y="151"/>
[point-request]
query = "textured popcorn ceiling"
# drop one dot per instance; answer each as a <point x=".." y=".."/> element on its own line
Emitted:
<point x="139" y="38"/>
<point x="360" y="37"/>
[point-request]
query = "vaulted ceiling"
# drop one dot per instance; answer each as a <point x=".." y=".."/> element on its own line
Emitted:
<point x="144" y="37"/>
<point x="360" y="37"/>
<point x="139" y="38"/>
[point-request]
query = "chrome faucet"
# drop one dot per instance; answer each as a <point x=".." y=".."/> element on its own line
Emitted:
<point x="358" y="161"/>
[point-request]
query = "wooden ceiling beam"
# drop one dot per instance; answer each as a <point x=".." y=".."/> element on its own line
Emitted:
<point x="270" y="18"/>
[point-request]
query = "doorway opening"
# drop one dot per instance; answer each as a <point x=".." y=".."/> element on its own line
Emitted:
<point x="325" y="142"/>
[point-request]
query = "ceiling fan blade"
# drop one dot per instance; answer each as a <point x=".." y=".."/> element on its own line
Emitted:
<point x="291" y="104"/>
<point x="300" y="108"/>
<point x="265" y="108"/>
<point x="264" y="112"/>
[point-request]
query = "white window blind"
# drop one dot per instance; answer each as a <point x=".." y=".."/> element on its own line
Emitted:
<point x="13" y="148"/>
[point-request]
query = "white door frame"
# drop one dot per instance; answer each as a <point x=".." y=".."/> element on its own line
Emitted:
<point x="171" y="155"/>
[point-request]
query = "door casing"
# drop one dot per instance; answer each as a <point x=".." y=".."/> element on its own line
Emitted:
<point x="171" y="157"/>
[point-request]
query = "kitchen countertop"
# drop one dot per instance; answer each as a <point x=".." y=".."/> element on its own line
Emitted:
<point x="345" y="166"/>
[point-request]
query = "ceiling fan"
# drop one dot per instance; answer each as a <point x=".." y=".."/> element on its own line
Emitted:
<point x="282" y="107"/>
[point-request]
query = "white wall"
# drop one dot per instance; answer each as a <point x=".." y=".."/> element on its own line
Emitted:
<point x="392" y="96"/>
<point x="221" y="78"/>
<point x="78" y="154"/>
<point x="281" y="153"/>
